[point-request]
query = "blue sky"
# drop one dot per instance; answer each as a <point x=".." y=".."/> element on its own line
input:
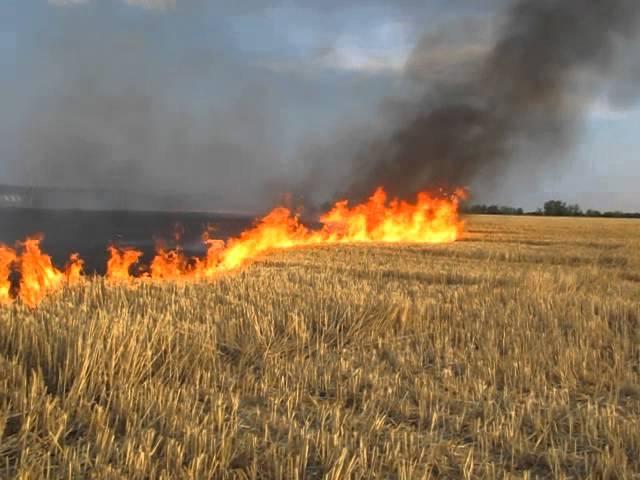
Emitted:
<point x="246" y="88"/>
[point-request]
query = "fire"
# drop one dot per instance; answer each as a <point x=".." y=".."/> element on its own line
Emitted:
<point x="120" y="263"/>
<point x="429" y="219"/>
<point x="7" y="257"/>
<point x="74" y="270"/>
<point x="38" y="275"/>
<point x="279" y="229"/>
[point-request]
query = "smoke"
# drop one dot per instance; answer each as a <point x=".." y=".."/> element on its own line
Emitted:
<point x="521" y="86"/>
<point x="160" y="99"/>
<point x="125" y="106"/>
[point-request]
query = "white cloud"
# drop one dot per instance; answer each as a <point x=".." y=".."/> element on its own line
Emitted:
<point x="383" y="47"/>
<point x="357" y="59"/>
<point x="379" y="49"/>
<point x="602" y="110"/>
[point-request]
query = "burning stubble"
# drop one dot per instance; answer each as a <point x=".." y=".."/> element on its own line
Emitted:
<point x="380" y="220"/>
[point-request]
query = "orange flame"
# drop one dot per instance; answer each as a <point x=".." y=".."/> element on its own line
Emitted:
<point x="429" y="220"/>
<point x="120" y="263"/>
<point x="74" y="271"/>
<point x="7" y="257"/>
<point x="38" y="275"/>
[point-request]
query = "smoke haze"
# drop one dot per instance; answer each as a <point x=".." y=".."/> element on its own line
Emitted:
<point x="124" y="113"/>
<point x="181" y="97"/>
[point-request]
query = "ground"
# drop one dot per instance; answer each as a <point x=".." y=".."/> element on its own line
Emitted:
<point x="514" y="353"/>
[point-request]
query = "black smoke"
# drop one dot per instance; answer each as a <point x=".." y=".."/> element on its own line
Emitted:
<point x="530" y="86"/>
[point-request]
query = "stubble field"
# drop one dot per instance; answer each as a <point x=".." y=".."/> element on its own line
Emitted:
<point x="514" y="353"/>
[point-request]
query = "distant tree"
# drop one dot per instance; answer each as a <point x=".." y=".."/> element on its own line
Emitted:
<point x="552" y="208"/>
<point x="614" y="214"/>
<point x="555" y="208"/>
<point x="574" y="210"/>
<point x="477" y="209"/>
<point x="481" y="209"/>
<point x="511" y="211"/>
<point x="537" y="213"/>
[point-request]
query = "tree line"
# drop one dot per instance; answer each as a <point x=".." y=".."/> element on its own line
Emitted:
<point x="551" y="208"/>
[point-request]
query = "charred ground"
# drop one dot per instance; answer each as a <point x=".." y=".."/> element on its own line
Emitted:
<point x="90" y="232"/>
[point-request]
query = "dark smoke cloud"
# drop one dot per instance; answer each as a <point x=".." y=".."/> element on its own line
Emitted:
<point x="484" y="102"/>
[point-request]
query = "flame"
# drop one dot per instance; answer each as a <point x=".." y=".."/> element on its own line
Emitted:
<point x="430" y="219"/>
<point x="7" y="257"/>
<point x="120" y="263"/>
<point x="74" y="271"/>
<point x="170" y="265"/>
<point x="279" y="229"/>
<point x="38" y="275"/>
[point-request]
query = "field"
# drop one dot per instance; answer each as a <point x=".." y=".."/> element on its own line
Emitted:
<point x="514" y="353"/>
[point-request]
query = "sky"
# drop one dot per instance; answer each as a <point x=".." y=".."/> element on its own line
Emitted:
<point x="242" y="99"/>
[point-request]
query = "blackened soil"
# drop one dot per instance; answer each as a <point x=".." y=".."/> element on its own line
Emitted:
<point x="90" y="232"/>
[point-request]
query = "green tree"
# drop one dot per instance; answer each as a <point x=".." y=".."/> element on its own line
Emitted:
<point x="555" y="208"/>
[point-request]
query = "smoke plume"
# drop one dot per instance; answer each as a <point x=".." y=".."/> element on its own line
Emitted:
<point x="181" y="98"/>
<point x="529" y="87"/>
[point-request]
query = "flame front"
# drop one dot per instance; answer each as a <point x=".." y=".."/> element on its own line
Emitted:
<point x="429" y="220"/>
<point x="7" y="257"/>
<point x="38" y="275"/>
<point x="120" y="263"/>
<point x="74" y="270"/>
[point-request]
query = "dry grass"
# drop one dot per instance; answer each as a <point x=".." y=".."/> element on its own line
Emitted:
<point x="512" y="354"/>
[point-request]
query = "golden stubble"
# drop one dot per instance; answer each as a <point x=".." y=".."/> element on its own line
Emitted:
<point x="514" y="353"/>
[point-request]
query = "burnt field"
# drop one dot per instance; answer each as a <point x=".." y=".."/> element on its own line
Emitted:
<point x="90" y="232"/>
